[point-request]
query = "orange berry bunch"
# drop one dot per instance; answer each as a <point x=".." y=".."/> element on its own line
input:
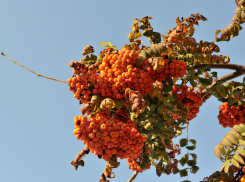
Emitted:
<point x="190" y="99"/>
<point x="172" y="68"/>
<point x="106" y="137"/>
<point x="134" y="164"/>
<point x="231" y="115"/>
<point x="117" y="72"/>
<point x="80" y="89"/>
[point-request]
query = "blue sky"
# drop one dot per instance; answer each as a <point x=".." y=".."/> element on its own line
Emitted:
<point x="36" y="114"/>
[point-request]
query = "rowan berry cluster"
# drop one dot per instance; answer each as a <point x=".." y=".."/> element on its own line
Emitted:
<point x="116" y="73"/>
<point x="190" y="99"/>
<point x="171" y="68"/>
<point x="106" y="137"/>
<point x="231" y="115"/>
<point x="134" y="164"/>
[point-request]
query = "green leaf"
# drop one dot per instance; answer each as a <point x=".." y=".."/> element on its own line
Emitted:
<point x="153" y="153"/>
<point x="171" y="98"/>
<point x="183" y="172"/>
<point x="193" y="146"/>
<point x="192" y="78"/>
<point x="168" y="87"/>
<point x="214" y="74"/>
<point x="194" y="169"/>
<point x="166" y="103"/>
<point x="230" y="101"/>
<point x="183" y="160"/>
<point x="238" y="158"/>
<point x="206" y="81"/>
<point x="191" y="162"/>
<point x="139" y="62"/>
<point x="183" y="142"/>
<point x="119" y="104"/>
<point x="243" y="134"/>
<point x="180" y="105"/>
<point x="240" y="151"/>
<point x="152" y="108"/>
<point x="235" y="163"/>
<point x="207" y="68"/>
<point x="194" y="156"/>
<point x="191" y="72"/>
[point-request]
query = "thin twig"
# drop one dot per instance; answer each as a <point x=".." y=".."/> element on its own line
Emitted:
<point x="133" y="176"/>
<point x="33" y="71"/>
<point x="187" y="124"/>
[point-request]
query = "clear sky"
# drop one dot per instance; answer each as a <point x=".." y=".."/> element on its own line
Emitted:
<point x="36" y="114"/>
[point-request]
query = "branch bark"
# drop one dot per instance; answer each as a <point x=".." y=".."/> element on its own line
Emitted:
<point x="220" y="66"/>
<point x="222" y="79"/>
<point x="133" y="176"/>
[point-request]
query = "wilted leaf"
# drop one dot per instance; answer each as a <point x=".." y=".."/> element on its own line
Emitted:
<point x="159" y="168"/>
<point x="217" y="150"/>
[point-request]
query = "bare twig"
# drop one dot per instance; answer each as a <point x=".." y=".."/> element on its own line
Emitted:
<point x="33" y="71"/>
<point x="133" y="176"/>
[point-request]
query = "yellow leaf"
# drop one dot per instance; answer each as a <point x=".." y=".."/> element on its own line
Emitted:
<point x="137" y="35"/>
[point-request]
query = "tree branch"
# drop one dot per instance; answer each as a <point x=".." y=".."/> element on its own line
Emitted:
<point x="133" y="176"/>
<point x="222" y="79"/>
<point x="220" y="66"/>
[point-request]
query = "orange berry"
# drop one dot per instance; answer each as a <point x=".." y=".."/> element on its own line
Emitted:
<point x="103" y="127"/>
